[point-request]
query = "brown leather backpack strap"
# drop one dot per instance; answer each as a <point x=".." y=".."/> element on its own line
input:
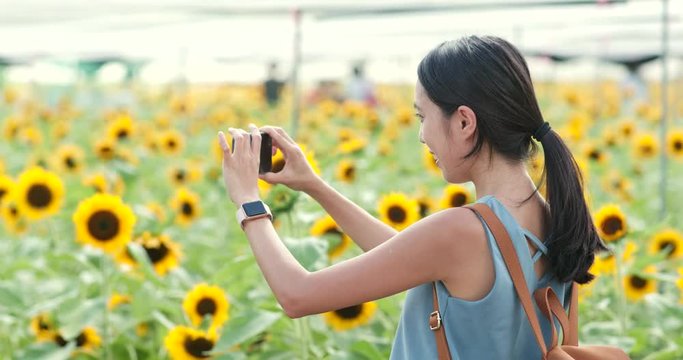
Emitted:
<point x="436" y="325"/>
<point x="507" y="249"/>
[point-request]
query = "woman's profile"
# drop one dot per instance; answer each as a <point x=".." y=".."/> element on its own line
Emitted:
<point x="481" y="121"/>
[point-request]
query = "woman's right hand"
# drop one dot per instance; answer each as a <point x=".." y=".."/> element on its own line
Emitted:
<point x="297" y="173"/>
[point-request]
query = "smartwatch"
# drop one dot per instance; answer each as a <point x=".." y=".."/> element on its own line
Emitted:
<point x="253" y="210"/>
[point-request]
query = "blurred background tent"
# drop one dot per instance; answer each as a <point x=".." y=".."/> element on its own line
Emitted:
<point x="209" y="41"/>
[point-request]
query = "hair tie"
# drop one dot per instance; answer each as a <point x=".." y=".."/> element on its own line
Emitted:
<point x="541" y="131"/>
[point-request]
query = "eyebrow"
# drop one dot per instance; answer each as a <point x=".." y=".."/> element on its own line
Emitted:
<point x="415" y="106"/>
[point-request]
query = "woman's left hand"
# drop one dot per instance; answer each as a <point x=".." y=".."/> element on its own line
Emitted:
<point x="241" y="165"/>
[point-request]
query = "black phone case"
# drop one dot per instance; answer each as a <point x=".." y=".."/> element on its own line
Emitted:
<point x="266" y="164"/>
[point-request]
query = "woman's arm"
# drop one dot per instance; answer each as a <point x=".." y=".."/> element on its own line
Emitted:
<point x="429" y="250"/>
<point x="365" y="230"/>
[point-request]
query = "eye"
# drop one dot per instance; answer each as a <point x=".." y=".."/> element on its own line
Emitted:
<point x="419" y="116"/>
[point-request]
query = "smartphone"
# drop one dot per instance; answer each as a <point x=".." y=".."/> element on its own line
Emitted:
<point x="266" y="153"/>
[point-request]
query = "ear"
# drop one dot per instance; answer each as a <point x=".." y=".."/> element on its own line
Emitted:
<point x="464" y="120"/>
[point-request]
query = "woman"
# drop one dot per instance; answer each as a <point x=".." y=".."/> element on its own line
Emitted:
<point x="478" y="113"/>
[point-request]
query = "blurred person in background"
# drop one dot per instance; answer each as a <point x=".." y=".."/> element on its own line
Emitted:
<point x="272" y="87"/>
<point x="359" y="88"/>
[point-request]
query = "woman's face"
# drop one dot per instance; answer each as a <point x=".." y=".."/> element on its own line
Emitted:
<point x="448" y="139"/>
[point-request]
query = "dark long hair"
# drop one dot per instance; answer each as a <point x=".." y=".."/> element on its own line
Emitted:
<point x="489" y="75"/>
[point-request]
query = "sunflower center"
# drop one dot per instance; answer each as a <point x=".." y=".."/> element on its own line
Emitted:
<point x="594" y="154"/>
<point x="197" y="347"/>
<point x="206" y="306"/>
<point x="350" y="172"/>
<point x="186" y="208"/>
<point x="458" y="200"/>
<point x="60" y="341"/>
<point x="171" y="144"/>
<point x="612" y="225"/>
<point x="638" y="282"/>
<point x="39" y="196"/>
<point x="2" y="193"/>
<point x="334" y="232"/>
<point x="103" y="225"/>
<point x="646" y="149"/>
<point x="70" y="163"/>
<point x="397" y="214"/>
<point x="678" y="145"/>
<point x="180" y="175"/>
<point x="14" y="211"/>
<point x="42" y="325"/>
<point x="350" y="312"/>
<point x="156" y="254"/>
<point x="278" y="165"/>
<point x="81" y="340"/>
<point x="122" y="134"/>
<point x="105" y="149"/>
<point x="424" y="208"/>
<point x="669" y="246"/>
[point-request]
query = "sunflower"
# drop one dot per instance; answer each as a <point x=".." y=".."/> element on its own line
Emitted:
<point x="327" y="226"/>
<point x="645" y="146"/>
<point x="352" y="145"/>
<point x="14" y="221"/>
<point x="606" y="264"/>
<point x="185" y="203"/>
<point x="455" y="195"/>
<point x="627" y="128"/>
<point x="668" y="241"/>
<point x="69" y="158"/>
<point x="121" y="128"/>
<point x="205" y="300"/>
<point x="117" y="299"/>
<point x="278" y="161"/>
<point x="535" y="166"/>
<point x="617" y="184"/>
<point x="39" y="193"/>
<point x="351" y="317"/>
<point x="384" y="147"/>
<point x="105" y="222"/>
<point x="429" y="161"/>
<point x="6" y="185"/>
<point x="405" y="116"/>
<point x="346" y="171"/>
<point x="171" y="142"/>
<point x="162" y="252"/>
<point x="675" y="143"/>
<point x="398" y="210"/>
<point x="105" y="149"/>
<point x="426" y="204"/>
<point x="639" y="285"/>
<point x="609" y="137"/>
<point x="594" y="153"/>
<point x="88" y="339"/>
<point x="31" y="135"/>
<point x="182" y="175"/>
<point x="611" y="223"/>
<point x="184" y="343"/>
<point x="43" y="327"/>
<point x="11" y="128"/>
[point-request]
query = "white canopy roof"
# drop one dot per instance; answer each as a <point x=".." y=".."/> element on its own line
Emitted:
<point x="233" y="40"/>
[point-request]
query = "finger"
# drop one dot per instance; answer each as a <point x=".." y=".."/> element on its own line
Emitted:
<point x="240" y="140"/>
<point x="224" y="145"/>
<point x="278" y="140"/>
<point x="270" y="177"/>
<point x="284" y="134"/>
<point x="255" y="141"/>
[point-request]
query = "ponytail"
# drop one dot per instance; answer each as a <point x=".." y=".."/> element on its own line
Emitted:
<point x="573" y="238"/>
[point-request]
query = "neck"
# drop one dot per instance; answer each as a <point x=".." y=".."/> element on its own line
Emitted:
<point x="506" y="181"/>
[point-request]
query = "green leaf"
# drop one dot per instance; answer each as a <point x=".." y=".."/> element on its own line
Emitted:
<point x="309" y="251"/>
<point x="244" y="327"/>
<point x="366" y="350"/>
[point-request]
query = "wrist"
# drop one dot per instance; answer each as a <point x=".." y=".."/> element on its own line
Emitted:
<point x="245" y="199"/>
<point x="314" y="186"/>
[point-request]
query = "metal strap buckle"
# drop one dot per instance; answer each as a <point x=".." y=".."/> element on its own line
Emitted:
<point x="437" y="315"/>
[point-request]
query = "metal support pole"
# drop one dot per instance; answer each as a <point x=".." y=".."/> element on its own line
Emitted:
<point x="665" y="105"/>
<point x="296" y="102"/>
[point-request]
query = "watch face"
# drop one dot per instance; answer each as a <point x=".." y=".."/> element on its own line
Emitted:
<point x="254" y="208"/>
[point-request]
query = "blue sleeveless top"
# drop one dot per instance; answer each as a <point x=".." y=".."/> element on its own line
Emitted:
<point x="493" y="327"/>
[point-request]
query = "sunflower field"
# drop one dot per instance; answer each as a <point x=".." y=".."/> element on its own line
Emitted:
<point x="119" y="241"/>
